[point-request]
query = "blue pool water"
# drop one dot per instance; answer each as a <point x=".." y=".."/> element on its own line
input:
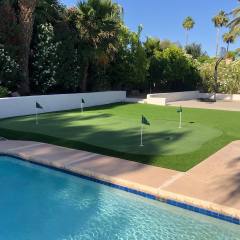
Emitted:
<point x="37" y="203"/>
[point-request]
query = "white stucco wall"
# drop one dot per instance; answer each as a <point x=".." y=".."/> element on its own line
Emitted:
<point x="221" y="96"/>
<point x="20" y="106"/>
<point x="163" y="98"/>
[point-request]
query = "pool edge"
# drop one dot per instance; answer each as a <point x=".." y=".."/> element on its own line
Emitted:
<point x="181" y="201"/>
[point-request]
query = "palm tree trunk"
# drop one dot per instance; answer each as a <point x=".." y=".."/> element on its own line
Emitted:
<point x="228" y="46"/>
<point x="85" y="77"/>
<point x="26" y="20"/>
<point x="186" y="37"/>
<point x="217" y="42"/>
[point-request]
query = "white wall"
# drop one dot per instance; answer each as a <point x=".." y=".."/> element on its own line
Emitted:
<point x="221" y="96"/>
<point x="163" y="98"/>
<point x="19" y="106"/>
<point x="157" y="101"/>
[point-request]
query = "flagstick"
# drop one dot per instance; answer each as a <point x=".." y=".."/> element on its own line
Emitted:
<point x="180" y="120"/>
<point x="81" y="107"/>
<point x="36" y="116"/>
<point x="141" y="144"/>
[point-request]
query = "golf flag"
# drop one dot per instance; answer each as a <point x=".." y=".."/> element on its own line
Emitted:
<point x="38" y="106"/>
<point x="82" y="103"/>
<point x="145" y="121"/>
<point x="180" y="110"/>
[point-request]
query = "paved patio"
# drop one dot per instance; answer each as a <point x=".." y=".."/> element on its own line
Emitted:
<point x="213" y="184"/>
<point x="219" y="105"/>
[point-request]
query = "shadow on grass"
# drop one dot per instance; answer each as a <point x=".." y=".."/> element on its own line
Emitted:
<point x="124" y="141"/>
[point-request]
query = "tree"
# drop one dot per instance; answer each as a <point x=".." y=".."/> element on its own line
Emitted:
<point x="195" y="50"/>
<point x="188" y="24"/>
<point x="24" y="11"/>
<point x="228" y="38"/>
<point x="140" y="61"/>
<point x="45" y="59"/>
<point x="173" y="70"/>
<point x="235" y="23"/>
<point x="98" y="23"/>
<point x="151" y="45"/>
<point x="220" y="20"/>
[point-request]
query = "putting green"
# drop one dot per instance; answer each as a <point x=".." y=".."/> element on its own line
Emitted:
<point x="116" y="130"/>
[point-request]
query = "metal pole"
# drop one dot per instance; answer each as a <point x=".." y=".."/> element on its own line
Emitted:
<point x="141" y="144"/>
<point x="180" y="120"/>
<point x="36" y="116"/>
<point x="81" y="107"/>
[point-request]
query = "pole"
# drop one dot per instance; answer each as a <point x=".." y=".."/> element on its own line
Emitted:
<point x="81" y="107"/>
<point x="141" y="143"/>
<point x="36" y="116"/>
<point x="180" y="120"/>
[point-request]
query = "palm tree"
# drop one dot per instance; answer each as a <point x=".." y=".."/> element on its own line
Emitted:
<point x="219" y="21"/>
<point x="228" y="38"/>
<point x="98" y="23"/>
<point x="235" y="23"/>
<point x="23" y="19"/>
<point x="188" y="24"/>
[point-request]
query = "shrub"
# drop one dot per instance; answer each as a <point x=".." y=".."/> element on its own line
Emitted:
<point x="45" y="59"/>
<point x="228" y="77"/>
<point x="8" y="69"/>
<point x="173" y="70"/>
<point x="3" y="92"/>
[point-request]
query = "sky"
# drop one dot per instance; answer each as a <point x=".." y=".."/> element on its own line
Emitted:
<point x="163" y="19"/>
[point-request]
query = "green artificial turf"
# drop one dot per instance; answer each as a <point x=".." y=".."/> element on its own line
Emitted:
<point x="115" y="130"/>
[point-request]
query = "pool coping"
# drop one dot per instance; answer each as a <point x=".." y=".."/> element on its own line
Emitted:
<point x="217" y="211"/>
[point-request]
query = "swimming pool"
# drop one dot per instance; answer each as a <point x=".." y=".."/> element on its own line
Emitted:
<point x="41" y="203"/>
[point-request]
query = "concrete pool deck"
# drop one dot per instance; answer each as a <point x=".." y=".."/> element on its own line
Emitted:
<point x="214" y="184"/>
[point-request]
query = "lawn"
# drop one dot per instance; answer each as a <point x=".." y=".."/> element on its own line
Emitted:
<point x="115" y="130"/>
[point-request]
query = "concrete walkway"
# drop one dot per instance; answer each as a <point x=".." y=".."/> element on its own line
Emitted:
<point x="214" y="184"/>
<point x="219" y="105"/>
<point x="217" y="179"/>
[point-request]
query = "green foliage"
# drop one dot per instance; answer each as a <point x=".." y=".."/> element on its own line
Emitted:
<point x="8" y="70"/>
<point x="129" y="68"/>
<point x="3" y="92"/>
<point x="231" y="54"/>
<point x="45" y="59"/>
<point x="188" y="23"/>
<point x="235" y="22"/>
<point x="228" y="77"/>
<point x="97" y="24"/>
<point x="195" y="50"/>
<point x="173" y="70"/>
<point x="228" y="38"/>
<point x="221" y="19"/>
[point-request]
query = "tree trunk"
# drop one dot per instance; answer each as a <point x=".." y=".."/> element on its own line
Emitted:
<point x="26" y="20"/>
<point x="228" y="47"/>
<point x="85" y="77"/>
<point x="186" y="37"/>
<point x="217" y="42"/>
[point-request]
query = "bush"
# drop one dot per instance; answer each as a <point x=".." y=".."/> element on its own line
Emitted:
<point x="173" y="70"/>
<point x="3" y="92"/>
<point x="228" y="77"/>
<point x="45" y="59"/>
<point x="9" y="69"/>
